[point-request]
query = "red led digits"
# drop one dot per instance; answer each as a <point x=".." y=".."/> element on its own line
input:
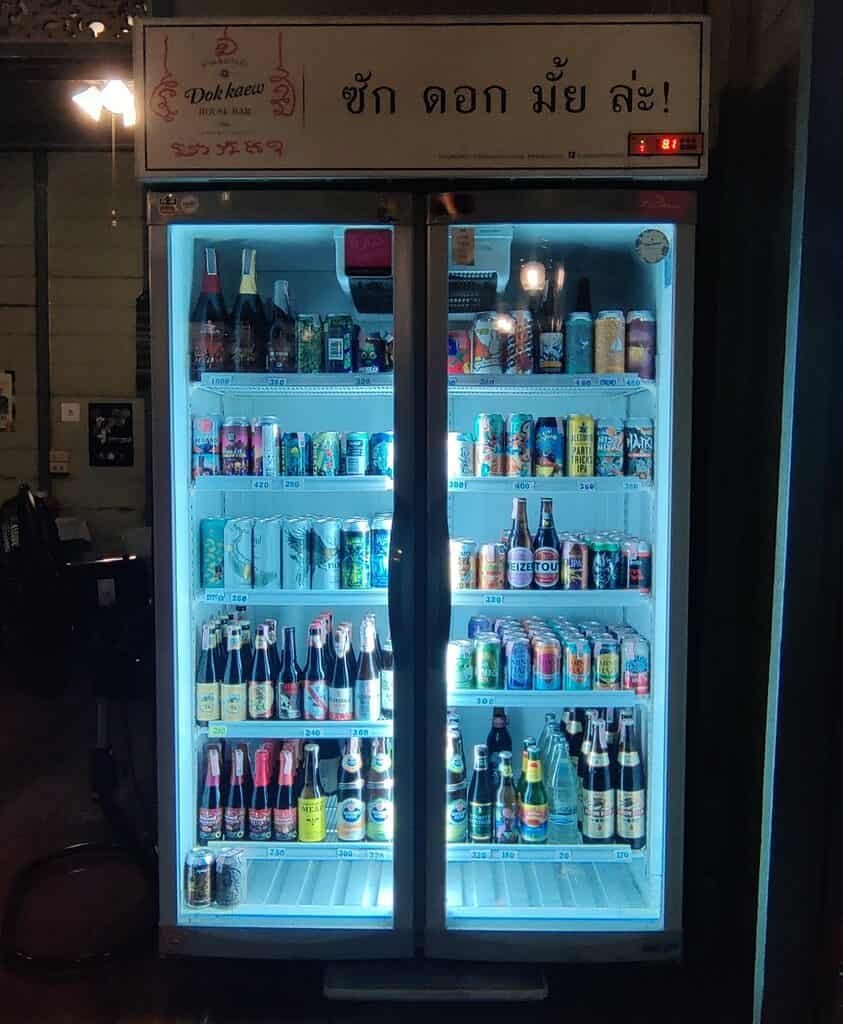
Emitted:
<point x="655" y="144"/>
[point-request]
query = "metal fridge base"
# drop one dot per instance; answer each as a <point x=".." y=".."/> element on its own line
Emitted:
<point x="429" y="981"/>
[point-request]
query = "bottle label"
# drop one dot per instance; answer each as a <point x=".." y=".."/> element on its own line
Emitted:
<point x="233" y="701"/>
<point x="234" y="823"/>
<point x="315" y="700"/>
<point x="312" y="825"/>
<point x="628" y="759"/>
<point x="479" y="823"/>
<point x="261" y="700"/>
<point x="351" y="763"/>
<point x="519" y="568"/>
<point x="351" y="819"/>
<point x="367" y="700"/>
<point x="631" y="816"/>
<point x="456" y="765"/>
<point x="284" y="824"/>
<point x="598" y="760"/>
<point x="341" y="704"/>
<point x="289" y="701"/>
<point x="379" y="814"/>
<point x="598" y="813"/>
<point x="506" y="824"/>
<point x="210" y="824"/>
<point x="260" y="825"/>
<point x="546" y="568"/>
<point x="381" y="762"/>
<point x="533" y="823"/>
<point x="456" y="813"/>
<point x="387" y="692"/>
<point x="207" y="702"/>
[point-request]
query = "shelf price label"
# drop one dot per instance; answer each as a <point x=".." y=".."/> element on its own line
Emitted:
<point x="586" y="485"/>
<point x="217" y="730"/>
<point x="261" y="483"/>
<point x="215" y="596"/>
<point x="276" y="382"/>
<point x="344" y="854"/>
<point x="481" y="855"/>
<point x="217" y="380"/>
<point x="622" y="855"/>
<point x="276" y="852"/>
<point x="374" y="855"/>
<point x="496" y="599"/>
<point x="291" y="484"/>
<point x="362" y="379"/>
<point x="523" y="485"/>
<point x="311" y="732"/>
<point x="358" y="731"/>
<point x="631" y="381"/>
<point x="582" y="382"/>
<point x="632" y="483"/>
<point x="565" y="856"/>
<point x="238" y="598"/>
<point x="508" y="854"/>
<point x="457" y="485"/>
<point x="483" y="701"/>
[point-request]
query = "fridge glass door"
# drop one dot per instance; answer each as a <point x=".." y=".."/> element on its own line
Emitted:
<point x="558" y="400"/>
<point x="281" y="463"/>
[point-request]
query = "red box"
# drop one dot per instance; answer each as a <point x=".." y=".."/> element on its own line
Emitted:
<point x="368" y="252"/>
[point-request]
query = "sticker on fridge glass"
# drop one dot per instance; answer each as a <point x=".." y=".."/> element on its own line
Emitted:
<point x="652" y="245"/>
<point x="462" y="247"/>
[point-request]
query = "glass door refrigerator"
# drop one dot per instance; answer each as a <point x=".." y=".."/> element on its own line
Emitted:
<point x="283" y="383"/>
<point x="558" y="396"/>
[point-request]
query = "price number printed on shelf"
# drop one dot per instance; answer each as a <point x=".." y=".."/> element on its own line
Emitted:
<point x="565" y="856"/>
<point x="311" y="732"/>
<point x="215" y="596"/>
<point x="582" y="382"/>
<point x="524" y="485"/>
<point x="261" y="484"/>
<point x="215" y="730"/>
<point x="218" y="380"/>
<point x="374" y="854"/>
<point x="457" y="485"/>
<point x="485" y="701"/>
<point x="632" y="483"/>
<point x="586" y="485"/>
<point x="276" y="852"/>
<point x="344" y="854"/>
<point x="496" y="599"/>
<point x="275" y="382"/>
<point x="291" y="484"/>
<point x="481" y="854"/>
<point x="238" y="598"/>
<point x="622" y="855"/>
<point x="363" y="733"/>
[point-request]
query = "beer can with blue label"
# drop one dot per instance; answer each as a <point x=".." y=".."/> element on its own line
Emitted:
<point x="381" y="534"/>
<point x="382" y="453"/>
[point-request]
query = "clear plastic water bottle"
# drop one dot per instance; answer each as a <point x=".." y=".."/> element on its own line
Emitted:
<point x="561" y="795"/>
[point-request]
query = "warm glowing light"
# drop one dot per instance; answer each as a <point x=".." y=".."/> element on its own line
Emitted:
<point x="505" y="324"/>
<point x="129" y="116"/>
<point x="97" y="28"/>
<point x="560" y="277"/>
<point x="90" y="100"/>
<point x="532" y="276"/>
<point x="117" y="97"/>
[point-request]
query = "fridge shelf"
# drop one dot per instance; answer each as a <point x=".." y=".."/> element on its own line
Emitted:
<point x="309" y="598"/>
<point x="548" y="853"/>
<point x="549" y="599"/>
<point x="546" y="699"/>
<point x="272" y="728"/>
<point x="294" y="384"/>
<point x="550" y="485"/>
<point x="329" y="850"/>
<point x="549" y="384"/>
<point x="305" y="484"/>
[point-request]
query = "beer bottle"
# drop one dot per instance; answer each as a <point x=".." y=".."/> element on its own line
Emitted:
<point x="246" y="652"/>
<point x="341" y="692"/>
<point x="631" y="807"/>
<point x="233" y="688"/>
<point x="210" y="803"/>
<point x="208" y="322"/>
<point x="551" y="337"/>
<point x="284" y="824"/>
<point x="328" y="637"/>
<point x="598" y="794"/>
<point x="315" y="697"/>
<point x="219" y="646"/>
<point x="582" y="760"/>
<point x="546" y="734"/>
<point x="480" y="798"/>
<point x="281" y="343"/>
<point x="271" y="626"/>
<point x="506" y="803"/>
<point x="234" y="812"/>
<point x="289" y="679"/>
<point x="497" y="741"/>
<point x="259" y="827"/>
<point x="312" y="818"/>
<point x="370" y="618"/>
<point x="261" y="688"/>
<point x="207" y="680"/>
<point x="533" y="817"/>
<point x="367" y="685"/>
<point x="583" y="301"/>
<point x="387" y="681"/>
<point x="530" y="741"/>
<point x="519" y="554"/>
<point x="248" y="320"/>
<point x="573" y="734"/>
<point x="456" y="793"/>
<point x="350" y="654"/>
<point x="380" y="820"/>
<point x="546" y="555"/>
<point x="351" y="808"/>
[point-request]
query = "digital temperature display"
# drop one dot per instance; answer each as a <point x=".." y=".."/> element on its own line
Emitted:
<point x="653" y="144"/>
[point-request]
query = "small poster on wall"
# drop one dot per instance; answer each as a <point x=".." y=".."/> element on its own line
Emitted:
<point x="111" y="440"/>
<point x="7" y="400"/>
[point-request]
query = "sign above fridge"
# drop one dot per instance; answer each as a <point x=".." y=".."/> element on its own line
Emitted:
<point x="361" y="98"/>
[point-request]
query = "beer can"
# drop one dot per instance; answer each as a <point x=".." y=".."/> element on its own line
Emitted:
<point x="519" y="444"/>
<point x="489" y="444"/>
<point x="520" y="343"/>
<point x="325" y="553"/>
<point x="460" y="455"/>
<point x="609" y="341"/>
<point x="266" y="446"/>
<point x="199" y="877"/>
<point x="338" y="331"/>
<point x="237" y="567"/>
<point x="609" y="447"/>
<point x="605" y="565"/>
<point x="641" y="343"/>
<point x="639" y="570"/>
<point x="295" y="453"/>
<point x="309" y="352"/>
<point x="382" y="453"/>
<point x="639" y="446"/>
<point x="295" y="553"/>
<point x="486" y="344"/>
<point x="325" y="446"/>
<point x="491" y="566"/>
<point x="606" y="663"/>
<point x="266" y="546"/>
<point x="231" y="874"/>
<point x="459" y="352"/>
<point x="551" y="351"/>
<point x="579" y="343"/>
<point x="459" y="665"/>
<point x="573" y="566"/>
<point x="356" y="453"/>
<point x="580" y="445"/>
<point x="549" y="446"/>
<point x="635" y="664"/>
<point x="487" y="661"/>
<point x="355" y="554"/>
<point x="479" y="624"/>
<point x="212" y="553"/>
<point x="577" y="667"/>
<point x="235" y="445"/>
<point x="381" y="534"/>
<point x="205" y="435"/>
<point x="517" y="664"/>
<point x="547" y="664"/>
<point x="204" y="465"/>
<point x="463" y="556"/>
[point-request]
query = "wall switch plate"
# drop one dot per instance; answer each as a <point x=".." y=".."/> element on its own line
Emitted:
<point x="59" y="462"/>
<point x="71" y="412"/>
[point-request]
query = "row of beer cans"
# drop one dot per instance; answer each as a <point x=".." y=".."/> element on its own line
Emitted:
<point x="294" y="552"/>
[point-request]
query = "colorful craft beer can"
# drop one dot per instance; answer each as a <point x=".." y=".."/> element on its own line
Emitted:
<point x="547" y="664"/>
<point x="641" y="343"/>
<point x="579" y="343"/>
<point x="382" y="453"/>
<point x="573" y="565"/>
<point x="463" y="556"/>
<point x="487" y="661"/>
<point x="266" y="447"/>
<point x="356" y="453"/>
<point x="606" y="663"/>
<point x="491" y="566"/>
<point x="609" y="341"/>
<point x="605" y="565"/>
<point x="295" y="553"/>
<point x="338" y="331"/>
<point x="309" y="343"/>
<point x="237" y="567"/>
<point x="356" y="554"/>
<point x="577" y="667"/>
<point x="211" y="553"/>
<point x="520" y="343"/>
<point x="325" y="553"/>
<point x="459" y="352"/>
<point x="460" y="455"/>
<point x="639" y="444"/>
<point x="550" y="446"/>
<point x="205" y="447"/>
<point x="295" y="453"/>
<point x="635" y="665"/>
<point x="459" y="665"/>
<point x="266" y="556"/>
<point x="381" y="534"/>
<point x="609" y="447"/>
<point x="489" y="441"/>
<point x="325" y="446"/>
<point x="580" y="443"/>
<point x="235" y="443"/>
<point x="517" y="664"/>
<point x="486" y="344"/>
<point x="519" y="444"/>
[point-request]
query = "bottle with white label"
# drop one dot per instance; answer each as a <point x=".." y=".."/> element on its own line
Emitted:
<point x="233" y="688"/>
<point x="340" y="692"/>
<point x="207" y="682"/>
<point x="598" y="793"/>
<point x="367" y="685"/>
<point x="519" y="554"/>
<point x="387" y="680"/>
<point x="351" y="807"/>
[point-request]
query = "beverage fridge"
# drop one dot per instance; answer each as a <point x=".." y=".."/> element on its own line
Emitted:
<point x="421" y="524"/>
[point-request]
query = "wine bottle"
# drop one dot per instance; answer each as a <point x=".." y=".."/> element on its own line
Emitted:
<point x="209" y="325"/>
<point x="281" y="343"/>
<point x="248" y="320"/>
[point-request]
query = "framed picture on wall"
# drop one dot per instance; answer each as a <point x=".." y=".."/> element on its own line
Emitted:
<point x="111" y="440"/>
<point x="7" y="399"/>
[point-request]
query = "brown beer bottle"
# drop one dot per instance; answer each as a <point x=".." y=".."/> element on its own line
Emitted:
<point x="261" y="686"/>
<point x="598" y="794"/>
<point x="208" y="321"/>
<point x="248" y="320"/>
<point x="234" y="813"/>
<point x="519" y="554"/>
<point x="284" y="825"/>
<point x="210" y="803"/>
<point x="260" y="809"/>
<point x="631" y="794"/>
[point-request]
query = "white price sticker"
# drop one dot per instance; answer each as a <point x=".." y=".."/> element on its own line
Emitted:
<point x="216" y="730"/>
<point x="457" y="485"/>
<point x="215" y="596"/>
<point x="238" y="598"/>
<point x="523" y="485"/>
<point x="586" y="485"/>
<point x="276" y="382"/>
<point x="218" y="380"/>
<point x="292" y="484"/>
<point x="493" y="599"/>
<point x="261" y="484"/>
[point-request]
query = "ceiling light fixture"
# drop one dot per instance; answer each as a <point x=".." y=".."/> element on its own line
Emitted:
<point x="90" y="100"/>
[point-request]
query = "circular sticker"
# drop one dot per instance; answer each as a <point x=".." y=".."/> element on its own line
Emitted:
<point x="189" y="204"/>
<point x="652" y="245"/>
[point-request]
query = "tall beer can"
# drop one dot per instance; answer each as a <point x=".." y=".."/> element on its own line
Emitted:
<point x="579" y="343"/>
<point x="295" y="553"/>
<point x="520" y="343"/>
<point x="489" y="441"/>
<point x="266" y="447"/>
<point x="381" y="534"/>
<point x="580" y="445"/>
<point x="609" y="336"/>
<point x="641" y="343"/>
<point x="355" y="554"/>
<point x="486" y="344"/>
<point x="237" y="570"/>
<point x="211" y="552"/>
<point x="519" y="444"/>
<point x="266" y="544"/>
<point x="295" y="453"/>
<point x="325" y="553"/>
<point x="460" y="455"/>
<point x="326" y="453"/>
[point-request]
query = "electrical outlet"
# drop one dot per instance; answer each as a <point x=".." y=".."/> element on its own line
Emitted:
<point x="59" y="462"/>
<point x="71" y="412"/>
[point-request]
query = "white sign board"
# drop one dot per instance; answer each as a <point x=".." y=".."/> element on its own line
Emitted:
<point x="601" y="97"/>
